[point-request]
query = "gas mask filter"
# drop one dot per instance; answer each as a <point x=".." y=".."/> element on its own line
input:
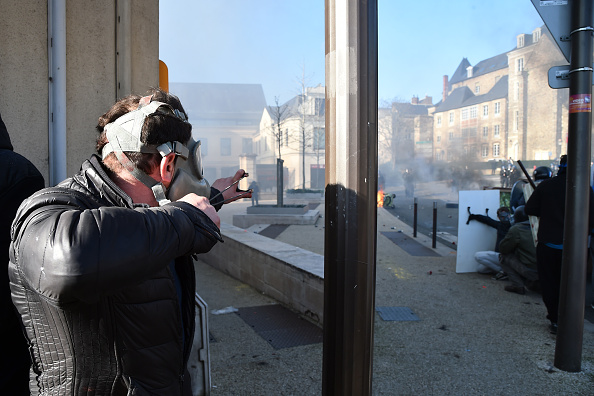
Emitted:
<point x="124" y="135"/>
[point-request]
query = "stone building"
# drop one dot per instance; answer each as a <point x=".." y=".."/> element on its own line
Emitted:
<point x="225" y="118"/>
<point x="297" y="127"/>
<point x="503" y="106"/>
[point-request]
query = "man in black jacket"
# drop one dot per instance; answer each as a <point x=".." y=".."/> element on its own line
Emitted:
<point x="19" y="178"/>
<point x="548" y="203"/>
<point x="100" y="265"/>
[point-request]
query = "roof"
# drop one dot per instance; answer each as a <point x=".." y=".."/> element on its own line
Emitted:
<point x="483" y="67"/>
<point x="463" y="96"/>
<point x="209" y="100"/>
<point x="410" y="109"/>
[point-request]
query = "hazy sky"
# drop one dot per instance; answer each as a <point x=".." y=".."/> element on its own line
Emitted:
<point x="274" y="42"/>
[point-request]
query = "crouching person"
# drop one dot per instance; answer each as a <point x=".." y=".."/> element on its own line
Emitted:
<point x="518" y="255"/>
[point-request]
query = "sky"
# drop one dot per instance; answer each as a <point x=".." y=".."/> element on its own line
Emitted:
<point x="280" y="43"/>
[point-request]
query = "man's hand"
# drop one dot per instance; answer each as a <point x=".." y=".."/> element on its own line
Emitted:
<point x="233" y="193"/>
<point x="202" y="204"/>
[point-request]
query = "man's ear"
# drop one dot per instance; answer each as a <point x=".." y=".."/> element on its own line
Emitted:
<point x="167" y="169"/>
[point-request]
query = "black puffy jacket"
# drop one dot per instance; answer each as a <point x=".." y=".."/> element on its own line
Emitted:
<point x="90" y="273"/>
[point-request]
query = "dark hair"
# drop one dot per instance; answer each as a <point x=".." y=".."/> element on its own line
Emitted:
<point x="157" y="129"/>
<point x="520" y="215"/>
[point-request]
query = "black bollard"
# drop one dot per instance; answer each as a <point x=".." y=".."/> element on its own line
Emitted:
<point x="415" y="207"/>
<point x="434" y="242"/>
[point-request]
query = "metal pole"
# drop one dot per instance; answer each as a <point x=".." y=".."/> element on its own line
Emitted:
<point x="434" y="239"/>
<point x="568" y="350"/>
<point x="351" y="196"/>
<point x="280" y="181"/>
<point x="415" y="208"/>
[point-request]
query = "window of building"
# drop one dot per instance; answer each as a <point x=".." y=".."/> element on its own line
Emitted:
<point x="246" y="146"/>
<point x="485" y="131"/>
<point x="225" y="147"/>
<point x="520" y="63"/>
<point x="439" y="120"/>
<point x="496" y="131"/>
<point x="495" y="149"/>
<point x="477" y="88"/>
<point x="464" y="114"/>
<point x="485" y="110"/>
<point x="536" y="35"/>
<point x="319" y="138"/>
<point x="451" y="117"/>
<point x="451" y="135"/>
<point x="497" y="108"/>
<point x="520" y="41"/>
<point x="203" y="146"/>
<point x="473" y="111"/>
<point x="484" y="150"/>
<point x="320" y="106"/>
<point x="438" y="138"/>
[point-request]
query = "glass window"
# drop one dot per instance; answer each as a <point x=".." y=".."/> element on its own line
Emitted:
<point x="486" y="131"/>
<point x="473" y="111"/>
<point x="319" y="138"/>
<point x="246" y="146"/>
<point x="451" y="117"/>
<point x="225" y="147"/>
<point x="484" y="150"/>
<point x="496" y="150"/>
<point x="439" y="120"/>
<point x="497" y="108"/>
<point x="464" y="114"/>
<point x="485" y="110"/>
<point x="496" y="131"/>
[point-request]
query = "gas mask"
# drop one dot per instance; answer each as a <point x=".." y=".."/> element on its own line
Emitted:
<point x="124" y="135"/>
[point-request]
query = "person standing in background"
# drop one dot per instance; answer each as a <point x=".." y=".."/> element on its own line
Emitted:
<point x="19" y="179"/>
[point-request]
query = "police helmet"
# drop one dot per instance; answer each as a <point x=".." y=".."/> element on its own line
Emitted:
<point x="542" y="172"/>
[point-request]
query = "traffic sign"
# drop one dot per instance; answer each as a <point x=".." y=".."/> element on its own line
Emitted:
<point x="559" y="77"/>
<point x="556" y="14"/>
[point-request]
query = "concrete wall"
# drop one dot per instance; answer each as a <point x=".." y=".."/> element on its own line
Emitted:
<point x="291" y="275"/>
<point x="91" y="76"/>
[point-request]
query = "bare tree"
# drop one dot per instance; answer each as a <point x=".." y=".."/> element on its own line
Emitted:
<point x="305" y="133"/>
<point x="279" y="116"/>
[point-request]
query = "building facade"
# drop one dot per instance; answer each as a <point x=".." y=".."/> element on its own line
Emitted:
<point x="63" y="65"/>
<point x="503" y="107"/>
<point x="225" y="119"/>
<point x="297" y="128"/>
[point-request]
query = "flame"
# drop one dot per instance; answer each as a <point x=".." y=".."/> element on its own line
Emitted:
<point x="380" y="199"/>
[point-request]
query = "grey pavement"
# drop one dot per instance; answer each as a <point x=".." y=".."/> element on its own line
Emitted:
<point x="472" y="337"/>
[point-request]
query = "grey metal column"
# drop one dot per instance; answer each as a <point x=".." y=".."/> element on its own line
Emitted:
<point x="568" y="351"/>
<point x="351" y="196"/>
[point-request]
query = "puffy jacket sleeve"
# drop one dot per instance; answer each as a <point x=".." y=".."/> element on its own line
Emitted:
<point x="69" y="253"/>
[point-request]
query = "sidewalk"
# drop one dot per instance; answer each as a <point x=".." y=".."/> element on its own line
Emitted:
<point x="472" y="337"/>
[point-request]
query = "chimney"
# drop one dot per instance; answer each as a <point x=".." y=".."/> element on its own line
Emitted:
<point x="445" y="88"/>
<point x="415" y="100"/>
<point x="427" y="100"/>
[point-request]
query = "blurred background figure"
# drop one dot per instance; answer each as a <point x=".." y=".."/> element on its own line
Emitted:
<point x="19" y="178"/>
